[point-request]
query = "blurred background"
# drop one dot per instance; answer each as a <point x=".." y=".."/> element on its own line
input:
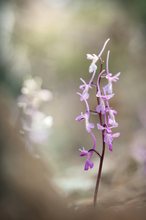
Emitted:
<point x="49" y="39"/>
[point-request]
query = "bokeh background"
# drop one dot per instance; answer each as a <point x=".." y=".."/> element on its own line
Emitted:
<point x="50" y="39"/>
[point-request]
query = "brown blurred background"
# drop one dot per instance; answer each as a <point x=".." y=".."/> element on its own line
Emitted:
<point x="50" y="39"/>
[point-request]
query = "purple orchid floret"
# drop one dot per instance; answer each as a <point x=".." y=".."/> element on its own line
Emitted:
<point x="104" y="97"/>
<point x="100" y="127"/>
<point x="108" y="89"/>
<point x="85" y="88"/>
<point x="83" y="96"/>
<point x="86" y="117"/>
<point x="108" y="139"/>
<point x="112" y="78"/>
<point x="80" y="117"/>
<point x="111" y="117"/>
<point x="83" y="152"/>
<point x="107" y="121"/>
<point x="101" y="108"/>
<point x="94" y="58"/>
<point x="88" y="163"/>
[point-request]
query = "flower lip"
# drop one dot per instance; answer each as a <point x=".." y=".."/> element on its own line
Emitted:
<point x="88" y="165"/>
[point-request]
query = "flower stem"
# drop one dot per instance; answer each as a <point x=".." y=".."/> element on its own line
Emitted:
<point x="103" y="144"/>
<point x="95" y="152"/>
<point x="99" y="173"/>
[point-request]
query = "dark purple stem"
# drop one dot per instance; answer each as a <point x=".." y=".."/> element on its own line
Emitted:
<point x="95" y="152"/>
<point x="99" y="170"/>
<point x="92" y="111"/>
<point x="103" y="149"/>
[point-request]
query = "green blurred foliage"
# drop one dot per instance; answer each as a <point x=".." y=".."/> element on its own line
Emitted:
<point x="136" y="8"/>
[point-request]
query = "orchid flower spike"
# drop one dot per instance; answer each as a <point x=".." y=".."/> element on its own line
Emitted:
<point x="107" y="115"/>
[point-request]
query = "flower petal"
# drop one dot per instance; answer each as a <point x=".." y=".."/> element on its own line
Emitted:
<point x="116" y="135"/>
<point x="80" y="117"/>
<point x="89" y="126"/>
<point x="89" y="56"/>
<point x="92" y="67"/>
<point x="100" y="127"/>
<point x="88" y="164"/>
<point x="83" y="152"/>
